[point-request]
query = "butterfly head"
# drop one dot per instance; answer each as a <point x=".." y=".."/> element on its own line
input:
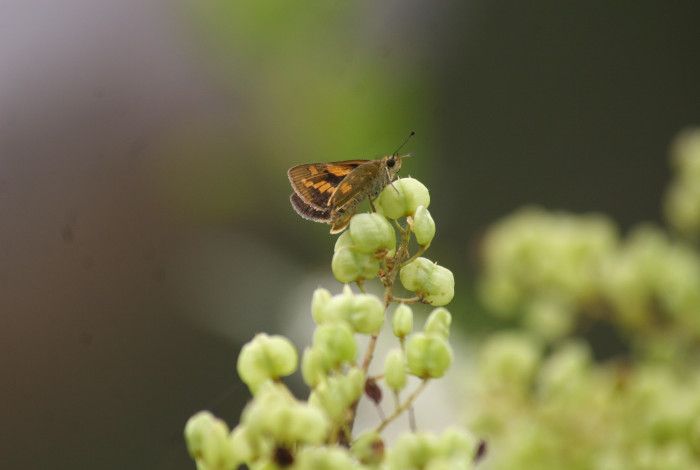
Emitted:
<point x="392" y="164"/>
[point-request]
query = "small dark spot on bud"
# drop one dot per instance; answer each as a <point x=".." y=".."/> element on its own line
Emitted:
<point x="481" y="450"/>
<point x="283" y="457"/>
<point x="373" y="391"/>
<point x="378" y="447"/>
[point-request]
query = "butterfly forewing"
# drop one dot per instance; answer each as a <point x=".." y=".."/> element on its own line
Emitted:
<point x="315" y="183"/>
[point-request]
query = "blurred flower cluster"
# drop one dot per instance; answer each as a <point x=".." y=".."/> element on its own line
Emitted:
<point x="550" y="393"/>
<point x="276" y="430"/>
<point x="683" y="198"/>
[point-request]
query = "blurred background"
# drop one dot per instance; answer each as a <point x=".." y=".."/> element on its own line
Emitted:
<point x="146" y="229"/>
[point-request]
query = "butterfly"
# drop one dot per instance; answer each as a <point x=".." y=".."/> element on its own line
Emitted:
<point x="330" y="192"/>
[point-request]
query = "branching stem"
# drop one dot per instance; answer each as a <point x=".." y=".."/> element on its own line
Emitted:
<point x="403" y="406"/>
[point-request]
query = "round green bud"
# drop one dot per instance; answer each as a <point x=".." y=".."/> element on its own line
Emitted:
<point x="439" y="322"/>
<point x="335" y="344"/>
<point x="402" y="322"/>
<point x="423" y="226"/>
<point x="434" y="283"/>
<point x="458" y="443"/>
<point x="336" y="394"/>
<point x="299" y="423"/>
<point x="428" y="355"/>
<point x="402" y="198"/>
<point x="264" y="358"/>
<point x="509" y="361"/>
<point x="349" y="265"/>
<point x="208" y="442"/>
<point x="319" y="301"/>
<point x="565" y="370"/>
<point x="285" y="420"/>
<point x="197" y="429"/>
<point x="368" y="448"/>
<point x="240" y="443"/>
<point x="550" y="319"/>
<point x="337" y="309"/>
<point x="367" y="314"/>
<point x="395" y="370"/>
<point x="363" y="312"/>
<point x="313" y="367"/>
<point x="413" y="451"/>
<point x="324" y="458"/>
<point x="355" y="383"/>
<point x="372" y="233"/>
<point x="344" y="241"/>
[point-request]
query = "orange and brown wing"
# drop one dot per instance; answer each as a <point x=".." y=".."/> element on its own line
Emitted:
<point x="315" y="183"/>
<point x="351" y="188"/>
<point x="308" y="212"/>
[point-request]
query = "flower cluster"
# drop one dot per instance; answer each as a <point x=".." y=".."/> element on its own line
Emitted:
<point x="551" y="394"/>
<point x="682" y="202"/>
<point x="565" y="410"/>
<point x="555" y="267"/>
<point x="278" y="431"/>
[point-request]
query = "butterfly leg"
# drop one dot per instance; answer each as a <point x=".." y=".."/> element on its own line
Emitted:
<point x="371" y="205"/>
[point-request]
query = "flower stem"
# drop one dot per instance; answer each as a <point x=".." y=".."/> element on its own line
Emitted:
<point x="403" y="407"/>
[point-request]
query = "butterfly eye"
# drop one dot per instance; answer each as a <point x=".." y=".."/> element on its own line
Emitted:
<point x="391" y="162"/>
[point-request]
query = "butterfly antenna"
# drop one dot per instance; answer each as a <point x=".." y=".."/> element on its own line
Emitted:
<point x="411" y="134"/>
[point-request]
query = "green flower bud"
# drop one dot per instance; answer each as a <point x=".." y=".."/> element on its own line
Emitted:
<point x="395" y="370"/>
<point x="298" y="423"/>
<point x="423" y="226"/>
<point x="319" y="301"/>
<point x="458" y="443"/>
<point x="402" y="322"/>
<point x="338" y="308"/>
<point x="197" y="429"/>
<point x="367" y="314"/>
<point x="565" y="370"/>
<point x="372" y="233"/>
<point x="324" y="458"/>
<point x="435" y="284"/>
<point x="336" y="394"/>
<point x="276" y="416"/>
<point x="335" y="344"/>
<point x="264" y="358"/>
<point x="313" y="367"/>
<point x="509" y="361"/>
<point x="413" y="451"/>
<point x="344" y="241"/>
<point x="550" y="319"/>
<point x="439" y="322"/>
<point x="208" y="442"/>
<point x="364" y="312"/>
<point x="349" y="265"/>
<point x="368" y="448"/>
<point x="402" y="198"/>
<point x="240" y="443"/>
<point x="428" y="355"/>
<point x="355" y="383"/>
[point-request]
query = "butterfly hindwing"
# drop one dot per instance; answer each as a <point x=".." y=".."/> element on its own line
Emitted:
<point x="315" y="183"/>
<point x="309" y="212"/>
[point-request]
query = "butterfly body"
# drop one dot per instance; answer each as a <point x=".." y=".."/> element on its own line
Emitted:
<point x="330" y="192"/>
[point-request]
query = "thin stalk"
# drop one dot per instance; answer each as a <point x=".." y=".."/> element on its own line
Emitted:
<point x="403" y="407"/>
